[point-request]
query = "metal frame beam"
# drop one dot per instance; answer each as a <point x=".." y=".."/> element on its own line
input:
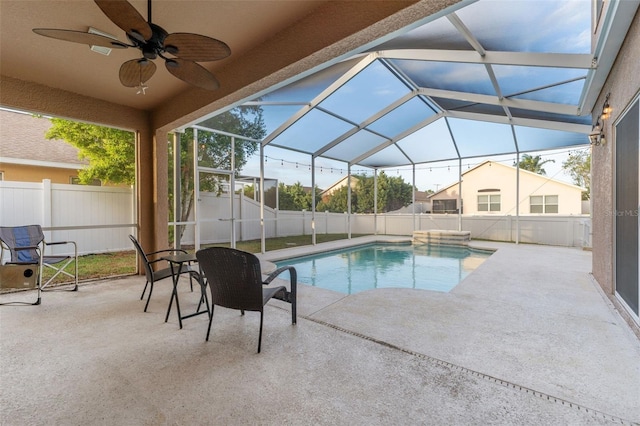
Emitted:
<point x="528" y="59"/>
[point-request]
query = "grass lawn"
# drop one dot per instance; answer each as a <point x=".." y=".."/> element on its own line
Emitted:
<point x="95" y="266"/>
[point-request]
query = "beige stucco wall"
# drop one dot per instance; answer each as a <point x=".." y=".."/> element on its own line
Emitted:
<point x="23" y="173"/>
<point x="498" y="176"/>
<point x="624" y="85"/>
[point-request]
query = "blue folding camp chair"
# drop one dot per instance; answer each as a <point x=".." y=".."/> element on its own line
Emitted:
<point x="26" y="246"/>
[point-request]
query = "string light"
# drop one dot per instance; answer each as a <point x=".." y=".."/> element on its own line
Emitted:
<point x="430" y="168"/>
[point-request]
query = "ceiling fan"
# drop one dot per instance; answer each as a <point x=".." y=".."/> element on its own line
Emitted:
<point x="180" y="51"/>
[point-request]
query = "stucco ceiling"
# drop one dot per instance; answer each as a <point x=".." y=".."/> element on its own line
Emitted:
<point x="74" y="67"/>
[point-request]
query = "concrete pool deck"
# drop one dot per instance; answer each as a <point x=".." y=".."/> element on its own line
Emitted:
<point x="527" y="338"/>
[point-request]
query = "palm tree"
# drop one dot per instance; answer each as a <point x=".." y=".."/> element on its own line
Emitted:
<point x="534" y="164"/>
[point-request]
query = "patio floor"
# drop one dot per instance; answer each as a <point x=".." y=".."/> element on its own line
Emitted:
<point x="528" y="338"/>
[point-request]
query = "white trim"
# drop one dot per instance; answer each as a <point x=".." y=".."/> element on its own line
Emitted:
<point x="39" y="163"/>
<point x="532" y="59"/>
<point x="551" y="107"/>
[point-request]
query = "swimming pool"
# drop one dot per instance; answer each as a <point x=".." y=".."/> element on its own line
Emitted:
<point x="427" y="267"/>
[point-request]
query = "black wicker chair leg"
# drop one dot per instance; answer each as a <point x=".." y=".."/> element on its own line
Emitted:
<point x="210" y="321"/>
<point x="260" y="336"/>
<point x="144" y="290"/>
<point x="148" y="298"/>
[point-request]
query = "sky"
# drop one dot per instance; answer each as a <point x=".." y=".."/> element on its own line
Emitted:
<point x="290" y="167"/>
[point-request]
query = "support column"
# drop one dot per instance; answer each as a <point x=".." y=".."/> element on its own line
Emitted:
<point x="177" y="185"/>
<point x="262" y="230"/>
<point x="459" y="194"/>
<point x="349" y="201"/>
<point x="313" y="200"/>
<point x="518" y="198"/>
<point x="232" y="190"/>
<point x="375" y="201"/>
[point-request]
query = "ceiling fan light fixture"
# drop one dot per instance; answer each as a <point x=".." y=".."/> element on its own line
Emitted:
<point x="170" y="63"/>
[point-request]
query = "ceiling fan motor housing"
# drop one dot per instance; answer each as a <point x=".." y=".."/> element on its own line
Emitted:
<point x="154" y="46"/>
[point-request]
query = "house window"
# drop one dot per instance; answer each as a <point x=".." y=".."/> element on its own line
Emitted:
<point x="489" y="203"/>
<point x="444" y="206"/>
<point x="543" y="204"/>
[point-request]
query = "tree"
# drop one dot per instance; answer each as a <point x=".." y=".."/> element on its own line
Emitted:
<point x="110" y="152"/>
<point x="214" y="152"/>
<point x="365" y="194"/>
<point x="534" y="164"/>
<point x="578" y="165"/>
<point x="393" y="193"/>
<point x="399" y="193"/>
<point x="338" y="201"/>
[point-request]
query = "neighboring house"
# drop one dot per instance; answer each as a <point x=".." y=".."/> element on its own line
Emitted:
<point x="490" y="188"/>
<point x="324" y="195"/>
<point x="26" y="156"/>
<point x="423" y="204"/>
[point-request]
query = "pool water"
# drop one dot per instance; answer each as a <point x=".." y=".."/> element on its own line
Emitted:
<point x="427" y="267"/>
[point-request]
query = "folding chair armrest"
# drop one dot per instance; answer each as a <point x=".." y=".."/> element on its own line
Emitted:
<point x="56" y="243"/>
<point x="26" y="248"/>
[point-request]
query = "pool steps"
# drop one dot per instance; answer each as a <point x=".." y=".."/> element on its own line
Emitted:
<point x="442" y="237"/>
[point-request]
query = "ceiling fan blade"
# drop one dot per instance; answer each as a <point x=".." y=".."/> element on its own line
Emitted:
<point x="192" y="73"/>
<point x="80" y="37"/>
<point x="196" y="47"/>
<point x="124" y="15"/>
<point x="136" y="71"/>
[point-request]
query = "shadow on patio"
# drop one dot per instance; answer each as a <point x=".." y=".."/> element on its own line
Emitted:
<point x="525" y="339"/>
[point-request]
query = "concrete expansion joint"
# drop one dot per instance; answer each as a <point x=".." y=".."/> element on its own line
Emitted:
<point x="501" y="382"/>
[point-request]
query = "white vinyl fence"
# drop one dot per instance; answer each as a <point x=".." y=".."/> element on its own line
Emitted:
<point x="98" y="219"/>
<point x="569" y="231"/>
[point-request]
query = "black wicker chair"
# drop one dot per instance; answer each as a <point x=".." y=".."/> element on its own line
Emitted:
<point x="160" y="274"/>
<point x="235" y="280"/>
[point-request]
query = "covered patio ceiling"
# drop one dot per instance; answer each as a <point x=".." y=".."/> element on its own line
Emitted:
<point x="489" y="78"/>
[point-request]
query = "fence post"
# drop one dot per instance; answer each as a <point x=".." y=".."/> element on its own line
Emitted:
<point x="46" y="203"/>
<point x="276" y="215"/>
<point x="326" y="222"/>
<point x="304" y="222"/>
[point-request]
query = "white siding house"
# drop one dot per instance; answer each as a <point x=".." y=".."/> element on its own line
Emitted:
<point x="490" y="188"/>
